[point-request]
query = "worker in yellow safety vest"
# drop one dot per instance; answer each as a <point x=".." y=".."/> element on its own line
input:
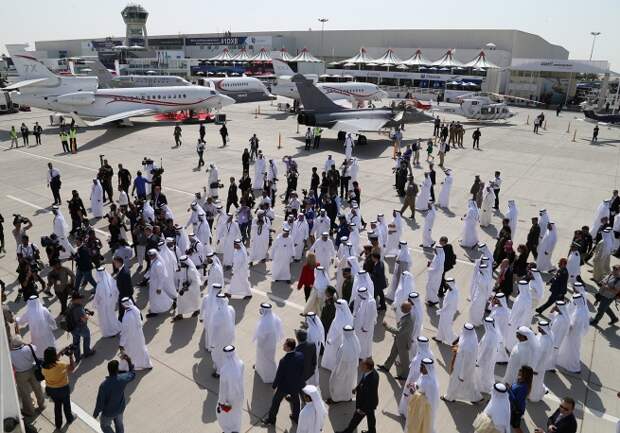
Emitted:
<point x="73" y="139"/>
<point x="13" y="135"/>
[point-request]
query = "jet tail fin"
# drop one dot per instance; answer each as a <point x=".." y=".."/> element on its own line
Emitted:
<point x="281" y="68"/>
<point x="312" y="98"/>
<point x="104" y="76"/>
<point x="30" y="68"/>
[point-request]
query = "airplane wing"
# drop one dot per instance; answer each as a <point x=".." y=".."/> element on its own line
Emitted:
<point x="357" y="125"/>
<point x="25" y="83"/>
<point x="120" y="116"/>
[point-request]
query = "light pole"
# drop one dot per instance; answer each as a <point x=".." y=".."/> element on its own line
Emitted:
<point x="594" y="35"/>
<point x="322" y="21"/>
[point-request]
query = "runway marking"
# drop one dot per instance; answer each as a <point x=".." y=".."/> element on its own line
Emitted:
<point x="27" y="203"/>
<point x="86" y="417"/>
<point x="580" y="406"/>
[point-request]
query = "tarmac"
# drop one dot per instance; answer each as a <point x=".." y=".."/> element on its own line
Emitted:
<point x="558" y="169"/>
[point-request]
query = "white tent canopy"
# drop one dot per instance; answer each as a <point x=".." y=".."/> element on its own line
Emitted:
<point x="305" y="56"/>
<point x="447" y="60"/>
<point x="241" y="56"/>
<point x="388" y="58"/>
<point x="285" y="56"/>
<point x="262" y="56"/>
<point x="224" y="56"/>
<point x="417" y="60"/>
<point x="480" y="61"/>
<point x="360" y="58"/>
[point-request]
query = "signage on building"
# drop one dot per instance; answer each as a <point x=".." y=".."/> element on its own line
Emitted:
<point x="561" y="65"/>
<point x="166" y="42"/>
<point x="106" y="45"/>
<point x="216" y="41"/>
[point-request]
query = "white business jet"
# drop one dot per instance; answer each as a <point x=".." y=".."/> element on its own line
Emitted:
<point x="80" y="98"/>
<point x="352" y="91"/>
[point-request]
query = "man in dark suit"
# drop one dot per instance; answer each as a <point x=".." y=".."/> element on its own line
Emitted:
<point x="367" y="398"/>
<point x="559" y="285"/>
<point x="533" y="237"/>
<point x="448" y="263"/>
<point x="378" y="279"/>
<point x="123" y="282"/>
<point x="288" y="382"/>
<point x="308" y="351"/>
<point x="563" y="419"/>
<point x="158" y="198"/>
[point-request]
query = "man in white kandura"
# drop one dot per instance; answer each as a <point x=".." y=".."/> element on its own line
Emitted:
<point x="106" y="302"/>
<point x="41" y="324"/>
<point x="240" y="280"/>
<point x="512" y="215"/>
<point x="343" y="378"/>
<point x="424" y="351"/>
<point x="462" y="384"/>
<point x="496" y="415"/>
<point x="230" y="233"/>
<point x="559" y="328"/>
<point x="324" y="250"/>
<point x="221" y="331"/>
<point x="406" y="285"/>
<point x="132" y="336"/>
<point x="259" y="238"/>
<point x="301" y="232"/>
<point x="545" y="249"/>
<point x="282" y="254"/>
<point x="161" y="289"/>
<point x="364" y="321"/>
<point x="403" y="263"/>
<point x="429" y="221"/>
<point x="479" y="295"/>
<point x="230" y="396"/>
<point x="521" y="313"/>
<point x="423" y="404"/>
<point x="569" y="355"/>
<point x="96" y="199"/>
<point x="445" y="333"/>
<point x="267" y="336"/>
<point x="444" y="193"/>
<point x="522" y="353"/>
<point x="312" y="416"/>
<point x="543" y="360"/>
<point x="486" y="208"/>
<point x="417" y="319"/>
<point x="487" y="356"/>
<point x="316" y="336"/>
<point x="61" y="230"/>
<point x="188" y="301"/>
<point x="207" y="308"/>
<point x="434" y="276"/>
<point x="469" y="234"/>
<point x="395" y="232"/>
<point x="501" y="314"/>
<point x="334" y="335"/>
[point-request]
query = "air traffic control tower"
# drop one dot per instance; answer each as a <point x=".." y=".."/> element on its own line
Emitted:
<point x="135" y="17"/>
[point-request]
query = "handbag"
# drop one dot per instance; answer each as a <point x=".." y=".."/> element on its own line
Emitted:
<point x="38" y="372"/>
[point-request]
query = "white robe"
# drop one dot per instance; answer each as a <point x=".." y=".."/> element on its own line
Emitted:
<point x="230" y="232"/>
<point x="395" y="232"/>
<point x="221" y="330"/>
<point x="520" y="314"/>
<point x="132" y="339"/>
<point x="364" y="320"/>
<point x="424" y="351"/>
<point x="321" y="224"/>
<point x="434" y="273"/>
<point x="512" y="214"/>
<point x="203" y="231"/>
<point x="444" y="194"/>
<point x="324" y="251"/>
<point x="348" y="147"/>
<point x="207" y="307"/>
<point x="523" y="353"/>
<point x="161" y="288"/>
<point x="343" y="378"/>
<point x="545" y="251"/>
<point x="230" y="393"/>
<point x="189" y="301"/>
<point x="96" y="200"/>
<point x="215" y="275"/>
<point x="406" y="285"/>
<point x="41" y="324"/>
<point x="300" y="234"/>
<point x="316" y="336"/>
<point x="334" y="335"/>
<point x="501" y="315"/>
<point x="282" y="254"/>
<point x="487" y="357"/>
<point x="445" y="333"/>
<point x="479" y="299"/>
<point x="259" y="240"/>
<point x="427" y="233"/>
<point x="106" y="304"/>
<point x="268" y="335"/>
<point x="569" y="355"/>
<point x="312" y="416"/>
<point x="469" y="235"/>
<point x="573" y="266"/>
<point x="259" y="173"/>
<point x="214" y="178"/>
<point x="462" y="384"/>
<point x="403" y="264"/>
<point x="543" y="361"/>
<point x="601" y="211"/>
<point x="421" y="200"/>
<point x="61" y="230"/>
<point x="240" y="280"/>
<point x="486" y="208"/>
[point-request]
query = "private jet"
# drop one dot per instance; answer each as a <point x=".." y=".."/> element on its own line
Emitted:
<point x="477" y="106"/>
<point x="80" y="97"/>
<point x="357" y="93"/>
<point x="241" y="89"/>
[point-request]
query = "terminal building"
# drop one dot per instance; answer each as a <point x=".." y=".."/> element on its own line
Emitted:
<point x="504" y="61"/>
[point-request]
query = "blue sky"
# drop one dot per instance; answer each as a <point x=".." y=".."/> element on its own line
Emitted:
<point x="567" y="22"/>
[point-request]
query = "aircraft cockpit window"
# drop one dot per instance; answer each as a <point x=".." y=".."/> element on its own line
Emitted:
<point x="474" y="102"/>
<point x="184" y="95"/>
<point x="484" y="110"/>
<point x="213" y="92"/>
<point x="504" y="110"/>
<point x="158" y="96"/>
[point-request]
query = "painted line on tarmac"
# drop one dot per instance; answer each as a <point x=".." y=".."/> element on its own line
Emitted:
<point x="27" y="203"/>
<point x="91" y="422"/>
<point x="581" y="407"/>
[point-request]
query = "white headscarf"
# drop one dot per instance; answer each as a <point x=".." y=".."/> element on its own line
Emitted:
<point x="320" y="411"/>
<point x="269" y="323"/>
<point x="233" y="367"/>
<point x="537" y="285"/>
<point x="427" y="384"/>
<point x="417" y="312"/>
<point x="580" y="316"/>
<point x="468" y="340"/>
<point x="498" y="408"/>
<point x="350" y="348"/>
<point x="36" y="315"/>
<point x="316" y="331"/>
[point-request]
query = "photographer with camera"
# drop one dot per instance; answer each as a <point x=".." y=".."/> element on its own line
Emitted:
<point x="84" y="266"/>
<point x="77" y="324"/>
<point x="62" y="279"/>
<point x="20" y="226"/>
<point x="52" y="247"/>
<point x="56" y="376"/>
<point x="77" y="212"/>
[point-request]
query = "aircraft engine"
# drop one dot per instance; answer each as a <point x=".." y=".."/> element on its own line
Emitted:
<point x="77" y="98"/>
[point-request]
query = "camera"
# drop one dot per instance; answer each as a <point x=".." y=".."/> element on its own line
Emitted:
<point x="18" y="219"/>
<point x="67" y="350"/>
<point x="49" y="241"/>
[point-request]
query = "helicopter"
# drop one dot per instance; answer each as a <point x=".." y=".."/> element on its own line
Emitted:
<point x="478" y="106"/>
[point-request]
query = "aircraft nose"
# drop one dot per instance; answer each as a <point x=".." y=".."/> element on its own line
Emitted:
<point x="226" y="100"/>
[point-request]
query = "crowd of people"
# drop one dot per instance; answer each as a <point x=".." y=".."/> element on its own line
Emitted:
<point x="181" y="261"/>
